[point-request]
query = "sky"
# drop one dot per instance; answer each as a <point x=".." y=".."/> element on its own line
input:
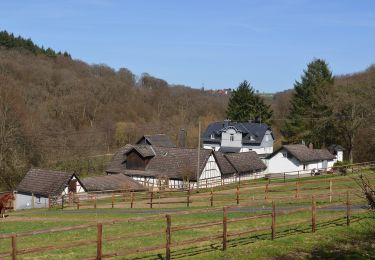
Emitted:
<point x="214" y="44"/>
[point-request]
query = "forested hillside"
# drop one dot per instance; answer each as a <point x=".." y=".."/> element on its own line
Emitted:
<point x="54" y="108"/>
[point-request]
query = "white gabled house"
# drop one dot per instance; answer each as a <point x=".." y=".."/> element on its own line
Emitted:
<point x="39" y="186"/>
<point x="233" y="137"/>
<point x="298" y="158"/>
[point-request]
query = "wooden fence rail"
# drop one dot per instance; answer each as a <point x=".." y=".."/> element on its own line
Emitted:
<point x="170" y="230"/>
<point x="213" y="197"/>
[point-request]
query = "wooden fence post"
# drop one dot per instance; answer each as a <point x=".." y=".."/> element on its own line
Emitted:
<point x="273" y="227"/>
<point x="266" y="192"/>
<point x="77" y="203"/>
<point x="14" y="247"/>
<point x="347" y="209"/>
<point x="238" y="195"/>
<point x="284" y="177"/>
<point x="298" y="175"/>
<point x="330" y="190"/>
<point x="188" y="198"/>
<point x="168" y="238"/>
<point x="32" y="200"/>
<point x="113" y="200"/>
<point x="151" y="197"/>
<point x="99" y="241"/>
<point x="131" y="200"/>
<point x="212" y="198"/>
<point x="313" y="215"/>
<point x="94" y="202"/>
<point x="297" y="189"/>
<point x="62" y="201"/>
<point x="49" y="201"/>
<point x="225" y="216"/>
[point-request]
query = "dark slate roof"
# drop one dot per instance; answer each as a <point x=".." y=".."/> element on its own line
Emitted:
<point x="252" y="133"/>
<point x="111" y="182"/>
<point x="225" y="149"/>
<point x="335" y="147"/>
<point x="170" y="162"/>
<point x="304" y="154"/>
<point x="143" y="150"/>
<point x="156" y="140"/>
<point x="239" y="162"/>
<point x="45" y="182"/>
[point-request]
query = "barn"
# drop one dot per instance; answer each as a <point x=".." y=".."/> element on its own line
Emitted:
<point x="176" y="168"/>
<point x="39" y="188"/>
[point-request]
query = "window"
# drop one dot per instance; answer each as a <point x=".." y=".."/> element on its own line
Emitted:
<point x="212" y="136"/>
<point x="285" y="154"/>
<point x="231" y="137"/>
<point x="252" y="138"/>
<point x="304" y="166"/>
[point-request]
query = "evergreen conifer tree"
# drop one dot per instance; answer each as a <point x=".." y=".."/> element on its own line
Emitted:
<point x="244" y="105"/>
<point x="308" y="119"/>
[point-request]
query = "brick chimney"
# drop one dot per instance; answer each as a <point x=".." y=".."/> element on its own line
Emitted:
<point x="182" y="138"/>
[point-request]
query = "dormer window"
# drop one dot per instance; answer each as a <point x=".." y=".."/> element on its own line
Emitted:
<point x="231" y="138"/>
<point x="212" y="136"/>
<point x="252" y="138"/>
<point x="285" y="154"/>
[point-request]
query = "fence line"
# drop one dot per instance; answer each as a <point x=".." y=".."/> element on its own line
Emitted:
<point x="214" y="196"/>
<point x="170" y="230"/>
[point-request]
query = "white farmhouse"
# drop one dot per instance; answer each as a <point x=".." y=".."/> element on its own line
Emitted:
<point x="298" y="158"/>
<point x="39" y="186"/>
<point x="233" y="137"/>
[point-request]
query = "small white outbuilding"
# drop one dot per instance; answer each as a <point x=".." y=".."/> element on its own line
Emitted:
<point x="40" y="186"/>
<point x="299" y="159"/>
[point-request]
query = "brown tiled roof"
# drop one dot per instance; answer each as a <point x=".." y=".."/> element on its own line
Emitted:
<point x="143" y="150"/>
<point x="156" y="140"/>
<point x="44" y="182"/>
<point x="111" y="182"/>
<point x="178" y="162"/>
<point x="171" y="162"/>
<point x="223" y="163"/>
<point x="116" y="166"/>
<point x="304" y="154"/>
<point x="246" y="162"/>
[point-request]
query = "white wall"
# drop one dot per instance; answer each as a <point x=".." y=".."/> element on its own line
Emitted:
<point x="79" y="188"/>
<point x="211" y="173"/>
<point x="215" y="147"/>
<point x="24" y="201"/>
<point x="340" y="156"/>
<point x="226" y="141"/>
<point x="279" y="163"/>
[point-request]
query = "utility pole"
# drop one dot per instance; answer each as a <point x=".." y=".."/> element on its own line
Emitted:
<point x="199" y="151"/>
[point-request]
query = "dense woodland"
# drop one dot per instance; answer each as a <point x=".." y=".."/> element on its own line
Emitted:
<point x="54" y="108"/>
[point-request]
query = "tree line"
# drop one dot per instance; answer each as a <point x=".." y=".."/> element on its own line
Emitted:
<point x="55" y="108"/>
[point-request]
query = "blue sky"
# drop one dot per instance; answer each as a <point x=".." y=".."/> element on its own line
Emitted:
<point x="216" y="43"/>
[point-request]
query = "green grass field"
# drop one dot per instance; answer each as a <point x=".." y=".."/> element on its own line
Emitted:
<point x="332" y="240"/>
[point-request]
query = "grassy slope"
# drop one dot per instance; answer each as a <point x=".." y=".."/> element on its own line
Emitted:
<point x="293" y="242"/>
